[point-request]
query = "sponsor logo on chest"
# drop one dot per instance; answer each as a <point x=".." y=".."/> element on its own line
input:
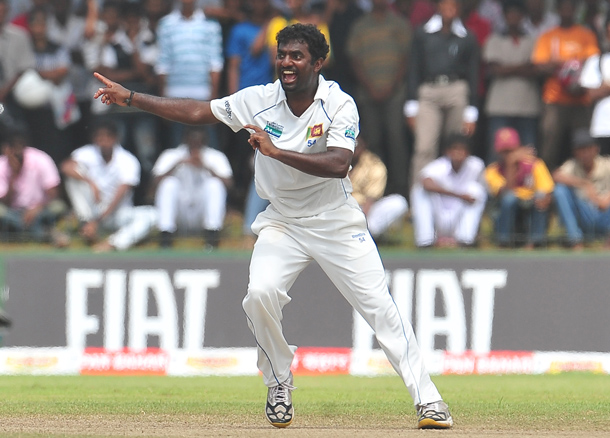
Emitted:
<point x="274" y="129"/>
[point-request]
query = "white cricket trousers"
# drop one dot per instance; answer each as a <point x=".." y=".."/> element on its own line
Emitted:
<point x="131" y="224"/>
<point x="385" y="212"/>
<point x="339" y="241"/>
<point x="440" y="215"/>
<point x="201" y="207"/>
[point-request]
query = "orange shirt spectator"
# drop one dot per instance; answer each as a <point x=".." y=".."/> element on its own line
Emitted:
<point x="562" y="44"/>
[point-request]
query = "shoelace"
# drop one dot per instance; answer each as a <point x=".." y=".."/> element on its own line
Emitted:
<point x="280" y="393"/>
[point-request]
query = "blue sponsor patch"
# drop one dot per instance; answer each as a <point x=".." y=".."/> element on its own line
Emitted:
<point x="274" y="129"/>
<point x="351" y="132"/>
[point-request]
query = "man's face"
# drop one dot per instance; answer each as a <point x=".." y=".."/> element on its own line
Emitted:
<point x="105" y="140"/>
<point x="448" y="9"/>
<point x="586" y="155"/>
<point x="513" y="17"/>
<point x="294" y="68"/>
<point x="195" y="140"/>
<point x="566" y="11"/>
<point x="457" y="154"/>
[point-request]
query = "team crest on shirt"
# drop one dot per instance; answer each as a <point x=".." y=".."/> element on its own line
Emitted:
<point x="274" y="129"/>
<point x="313" y="132"/>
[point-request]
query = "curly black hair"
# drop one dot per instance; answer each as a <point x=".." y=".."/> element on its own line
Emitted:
<point x="305" y="34"/>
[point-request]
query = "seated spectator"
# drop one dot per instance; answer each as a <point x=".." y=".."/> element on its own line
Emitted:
<point x="582" y="193"/>
<point x="521" y="187"/>
<point x="448" y="197"/>
<point x="29" y="183"/>
<point x="191" y="182"/>
<point x="369" y="176"/>
<point x="100" y="181"/>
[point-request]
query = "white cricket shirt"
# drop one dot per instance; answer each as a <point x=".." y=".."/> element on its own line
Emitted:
<point x="191" y="176"/>
<point x="331" y="121"/>
<point x="123" y="168"/>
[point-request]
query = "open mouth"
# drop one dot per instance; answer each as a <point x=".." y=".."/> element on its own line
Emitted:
<point x="289" y="76"/>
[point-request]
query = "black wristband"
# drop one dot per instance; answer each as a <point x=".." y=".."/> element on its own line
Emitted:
<point x="128" y="100"/>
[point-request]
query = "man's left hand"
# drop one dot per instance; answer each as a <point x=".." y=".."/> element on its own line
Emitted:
<point x="260" y="140"/>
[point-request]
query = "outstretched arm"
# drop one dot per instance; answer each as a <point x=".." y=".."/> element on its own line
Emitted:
<point x="188" y="111"/>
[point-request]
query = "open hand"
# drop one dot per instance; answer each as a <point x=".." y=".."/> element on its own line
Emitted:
<point x="112" y="92"/>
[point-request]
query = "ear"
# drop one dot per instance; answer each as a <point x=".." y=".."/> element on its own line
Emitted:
<point x="318" y="65"/>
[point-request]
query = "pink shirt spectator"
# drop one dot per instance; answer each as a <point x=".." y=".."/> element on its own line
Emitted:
<point x="38" y="174"/>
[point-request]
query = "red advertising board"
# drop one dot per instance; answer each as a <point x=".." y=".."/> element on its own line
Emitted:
<point x="99" y="361"/>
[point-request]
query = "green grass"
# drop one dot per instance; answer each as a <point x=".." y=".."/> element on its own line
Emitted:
<point x="564" y="402"/>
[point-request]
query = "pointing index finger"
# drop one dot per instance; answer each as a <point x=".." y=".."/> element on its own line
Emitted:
<point x="107" y="82"/>
<point x="252" y="129"/>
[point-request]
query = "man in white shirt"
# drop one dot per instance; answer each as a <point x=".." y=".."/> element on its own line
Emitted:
<point x="192" y="182"/>
<point x="100" y="181"/>
<point x="448" y="197"/>
<point x="303" y="129"/>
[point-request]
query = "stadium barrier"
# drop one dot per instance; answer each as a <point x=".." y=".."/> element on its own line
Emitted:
<point x="180" y="314"/>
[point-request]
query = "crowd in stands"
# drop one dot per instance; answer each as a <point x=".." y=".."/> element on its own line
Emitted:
<point x="468" y="108"/>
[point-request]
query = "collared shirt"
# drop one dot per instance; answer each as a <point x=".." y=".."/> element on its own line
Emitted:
<point x="517" y="96"/>
<point x="441" y="172"/>
<point x="434" y="54"/>
<point x="331" y="121"/>
<point x="37" y="175"/>
<point x="189" y="175"/>
<point x="599" y="176"/>
<point x="189" y="49"/>
<point x="123" y="168"/>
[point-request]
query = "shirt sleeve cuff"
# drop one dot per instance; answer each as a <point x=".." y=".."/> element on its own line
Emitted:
<point x="471" y="114"/>
<point x="411" y="108"/>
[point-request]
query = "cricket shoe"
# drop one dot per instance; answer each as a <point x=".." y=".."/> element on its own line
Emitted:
<point x="279" y="410"/>
<point x="434" y="416"/>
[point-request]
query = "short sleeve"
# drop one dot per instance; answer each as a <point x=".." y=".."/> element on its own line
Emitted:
<point x="165" y="162"/>
<point x="130" y="170"/>
<point x="590" y="76"/>
<point x="344" y="127"/>
<point x="542" y="52"/>
<point x="232" y="110"/>
<point x="49" y="175"/>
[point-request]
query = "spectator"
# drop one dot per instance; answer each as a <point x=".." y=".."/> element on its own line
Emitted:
<point x="341" y="16"/>
<point x="369" y="176"/>
<point x="582" y="193"/>
<point x="448" y="197"/>
<point x="538" y="19"/>
<point x="22" y="20"/>
<point x="244" y="70"/>
<point x="558" y="55"/>
<point x="513" y="99"/>
<point x="16" y="56"/>
<point x="190" y="59"/>
<point x="418" y="12"/>
<point x="492" y="12"/>
<point x="297" y="13"/>
<point x="29" y="188"/>
<point x="521" y="187"/>
<point x="66" y="28"/>
<point x="100" y="181"/>
<point x="192" y="182"/>
<point x="47" y="123"/>
<point x="595" y="78"/>
<point x="443" y="79"/>
<point x="378" y="48"/>
<point x="125" y="50"/>
<point x="154" y="11"/>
